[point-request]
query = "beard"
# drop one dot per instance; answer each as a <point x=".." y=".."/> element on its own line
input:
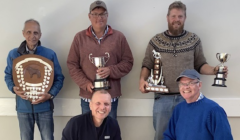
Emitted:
<point x="175" y="31"/>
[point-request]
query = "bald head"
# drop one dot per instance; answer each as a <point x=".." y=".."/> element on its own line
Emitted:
<point x="100" y="92"/>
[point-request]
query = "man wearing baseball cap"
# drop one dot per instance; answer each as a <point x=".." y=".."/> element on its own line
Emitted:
<point x="196" y="118"/>
<point x="98" y="39"/>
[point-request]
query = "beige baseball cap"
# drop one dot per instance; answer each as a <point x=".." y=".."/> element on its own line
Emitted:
<point x="97" y="3"/>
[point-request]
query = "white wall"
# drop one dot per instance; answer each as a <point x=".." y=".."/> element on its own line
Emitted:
<point x="215" y="21"/>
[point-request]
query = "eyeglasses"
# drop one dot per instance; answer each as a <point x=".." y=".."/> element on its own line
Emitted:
<point x="187" y="84"/>
<point x="95" y="15"/>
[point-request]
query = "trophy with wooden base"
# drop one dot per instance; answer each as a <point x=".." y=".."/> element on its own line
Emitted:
<point x="156" y="76"/>
<point x="220" y="78"/>
<point x="99" y="62"/>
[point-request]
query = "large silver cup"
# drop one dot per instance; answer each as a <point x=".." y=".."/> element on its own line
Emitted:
<point x="220" y="77"/>
<point x="99" y="62"/>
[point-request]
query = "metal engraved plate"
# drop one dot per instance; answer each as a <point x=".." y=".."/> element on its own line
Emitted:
<point x="33" y="74"/>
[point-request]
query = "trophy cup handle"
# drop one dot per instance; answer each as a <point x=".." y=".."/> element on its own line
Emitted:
<point x="108" y="56"/>
<point x="217" y="55"/>
<point x="228" y="57"/>
<point x="90" y="58"/>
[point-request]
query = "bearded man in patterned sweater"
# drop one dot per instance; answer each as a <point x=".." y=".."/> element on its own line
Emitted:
<point x="180" y="50"/>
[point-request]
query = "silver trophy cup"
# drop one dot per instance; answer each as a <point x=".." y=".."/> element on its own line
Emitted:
<point x="220" y="78"/>
<point x="99" y="62"/>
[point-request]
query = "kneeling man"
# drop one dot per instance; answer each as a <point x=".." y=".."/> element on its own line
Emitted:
<point x="197" y="118"/>
<point x="96" y="124"/>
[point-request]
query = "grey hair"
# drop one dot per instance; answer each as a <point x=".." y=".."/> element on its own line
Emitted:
<point x="32" y="20"/>
<point x="177" y="5"/>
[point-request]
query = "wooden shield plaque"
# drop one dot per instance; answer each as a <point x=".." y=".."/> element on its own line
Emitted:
<point x="33" y="74"/>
